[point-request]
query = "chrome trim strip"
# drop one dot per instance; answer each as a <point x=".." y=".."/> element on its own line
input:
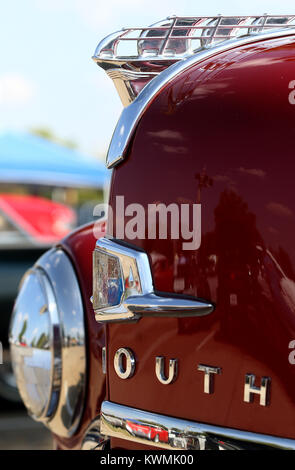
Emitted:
<point x="55" y="345"/>
<point x="131" y="114"/>
<point x="152" y="305"/>
<point x="104" y="360"/>
<point x="166" y="432"/>
<point x="142" y="301"/>
<point x="59" y="270"/>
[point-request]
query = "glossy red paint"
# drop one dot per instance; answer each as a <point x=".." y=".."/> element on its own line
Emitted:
<point x="228" y="118"/>
<point x="79" y="246"/>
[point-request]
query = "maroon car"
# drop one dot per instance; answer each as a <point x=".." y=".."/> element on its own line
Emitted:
<point x="179" y="311"/>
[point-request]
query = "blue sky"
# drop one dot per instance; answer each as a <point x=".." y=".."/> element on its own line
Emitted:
<point x="47" y="77"/>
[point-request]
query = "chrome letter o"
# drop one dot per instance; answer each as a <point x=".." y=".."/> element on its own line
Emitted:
<point x="128" y="371"/>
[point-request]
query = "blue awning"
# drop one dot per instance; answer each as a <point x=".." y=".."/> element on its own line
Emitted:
<point x="28" y="159"/>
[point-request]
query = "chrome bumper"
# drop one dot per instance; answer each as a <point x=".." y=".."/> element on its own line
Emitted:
<point x="170" y="433"/>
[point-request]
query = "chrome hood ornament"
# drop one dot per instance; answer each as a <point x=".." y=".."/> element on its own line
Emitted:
<point x="133" y="57"/>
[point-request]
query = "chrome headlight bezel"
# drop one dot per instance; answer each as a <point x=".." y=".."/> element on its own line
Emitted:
<point x="64" y="307"/>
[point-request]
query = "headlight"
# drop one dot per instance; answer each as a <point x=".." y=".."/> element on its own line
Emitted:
<point x="47" y="342"/>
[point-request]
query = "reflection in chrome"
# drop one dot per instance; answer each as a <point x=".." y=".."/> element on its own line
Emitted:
<point x="93" y="440"/>
<point x="131" y="114"/>
<point x="250" y="389"/>
<point x="129" y="369"/>
<point x="166" y="432"/>
<point x="34" y="333"/>
<point x="123" y="287"/>
<point x="160" y="370"/>
<point x="47" y="342"/>
<point x="209" y="372"/>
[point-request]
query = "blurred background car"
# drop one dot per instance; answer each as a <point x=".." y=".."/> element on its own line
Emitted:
<point x="46" y="190"/>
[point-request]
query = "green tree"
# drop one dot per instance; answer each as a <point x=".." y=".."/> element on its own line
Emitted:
<point x="48" y="134"/>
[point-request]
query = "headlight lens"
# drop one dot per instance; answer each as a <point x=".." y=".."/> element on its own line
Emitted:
<point x="31" y="351"/>
<point x="107" y="279"/>
<point x="47" y="341"/>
